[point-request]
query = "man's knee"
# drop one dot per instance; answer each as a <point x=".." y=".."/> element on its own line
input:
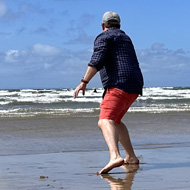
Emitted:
<point x="100" y="123"/>
<point x="104" y="122"/>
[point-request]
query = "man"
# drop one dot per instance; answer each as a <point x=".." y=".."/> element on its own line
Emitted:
<point x="115" y="58"/>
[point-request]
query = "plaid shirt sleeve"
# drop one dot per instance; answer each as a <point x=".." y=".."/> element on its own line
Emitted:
<point x="99" y="55"/>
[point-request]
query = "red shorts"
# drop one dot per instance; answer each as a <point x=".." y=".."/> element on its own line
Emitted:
<point x="115" y="104"/>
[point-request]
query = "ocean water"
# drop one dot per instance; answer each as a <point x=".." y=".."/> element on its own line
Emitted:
<point x="60" y="102"/>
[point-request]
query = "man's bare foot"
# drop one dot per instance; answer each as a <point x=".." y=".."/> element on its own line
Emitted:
<point x="131" y="160"/>
<point x="130" y="168"/>
<point x="112" y="164"/>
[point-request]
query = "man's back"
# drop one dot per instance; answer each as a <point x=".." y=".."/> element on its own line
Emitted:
<point x="115" y="57"/>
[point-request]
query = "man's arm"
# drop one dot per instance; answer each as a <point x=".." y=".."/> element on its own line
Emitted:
<point x="90" y="72"/>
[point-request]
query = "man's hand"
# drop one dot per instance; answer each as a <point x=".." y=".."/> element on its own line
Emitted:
<point x="81" y="86"/>
<point x="90" y="72"/>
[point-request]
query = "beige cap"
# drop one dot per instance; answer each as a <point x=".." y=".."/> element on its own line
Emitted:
<point x="111" y="17"/>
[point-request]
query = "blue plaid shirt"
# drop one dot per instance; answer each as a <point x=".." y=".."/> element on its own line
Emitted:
<point x="114" y="56"/>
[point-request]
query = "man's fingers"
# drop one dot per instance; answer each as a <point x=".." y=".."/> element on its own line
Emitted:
<point x="75" y="94"/>
<point x="80" y="87"/>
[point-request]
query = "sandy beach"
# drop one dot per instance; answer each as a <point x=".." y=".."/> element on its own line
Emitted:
<point x="65" y="153"/>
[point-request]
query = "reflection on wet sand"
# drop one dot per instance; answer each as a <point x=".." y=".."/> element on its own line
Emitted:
<point x="126" y="182"/>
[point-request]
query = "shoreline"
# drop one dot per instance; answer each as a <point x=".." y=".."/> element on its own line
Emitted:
<point x="93" y="114"/>
<point x="61" y="134"/>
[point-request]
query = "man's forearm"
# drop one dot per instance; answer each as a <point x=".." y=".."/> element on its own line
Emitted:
<point x="90" y="72"/>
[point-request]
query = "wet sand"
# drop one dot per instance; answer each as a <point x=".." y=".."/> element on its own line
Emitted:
<point x="162" y="168"/>
<point x="65" y="153"/>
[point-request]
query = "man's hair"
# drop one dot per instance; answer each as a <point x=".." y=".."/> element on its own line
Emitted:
<point x="110" y="25"/>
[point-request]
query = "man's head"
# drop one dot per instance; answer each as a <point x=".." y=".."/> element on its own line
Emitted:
<point x="111" y="19"/>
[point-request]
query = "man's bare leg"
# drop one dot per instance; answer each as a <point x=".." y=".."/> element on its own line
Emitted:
<point x="111" y="136"/>
<point x="126" y="142"/>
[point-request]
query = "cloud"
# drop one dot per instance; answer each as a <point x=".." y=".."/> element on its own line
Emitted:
<point x="41" y="30"/>
<point x="161" y="65"/>
<point x="13" y="56"/>
<point x="78" y="30"/>
<point x="8" y="14"/>
<point x="41" y="65"/>
<point x="45" y="50"/>
<point x="85" y="20"/>
<point x="81" y="38"/>
<point x="26" y="8"/>
<point x="158" y="57"/>
<point x="3" y="8"/>
<point x="41" y="57"/>
<point x="5" y="34"/>
<point x="21" y="30"/>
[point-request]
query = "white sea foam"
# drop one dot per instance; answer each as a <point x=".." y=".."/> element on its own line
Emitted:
<point x="30" y="102"/>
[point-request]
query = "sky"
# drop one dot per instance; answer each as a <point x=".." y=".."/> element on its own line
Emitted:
<point x="48" y="43"/>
